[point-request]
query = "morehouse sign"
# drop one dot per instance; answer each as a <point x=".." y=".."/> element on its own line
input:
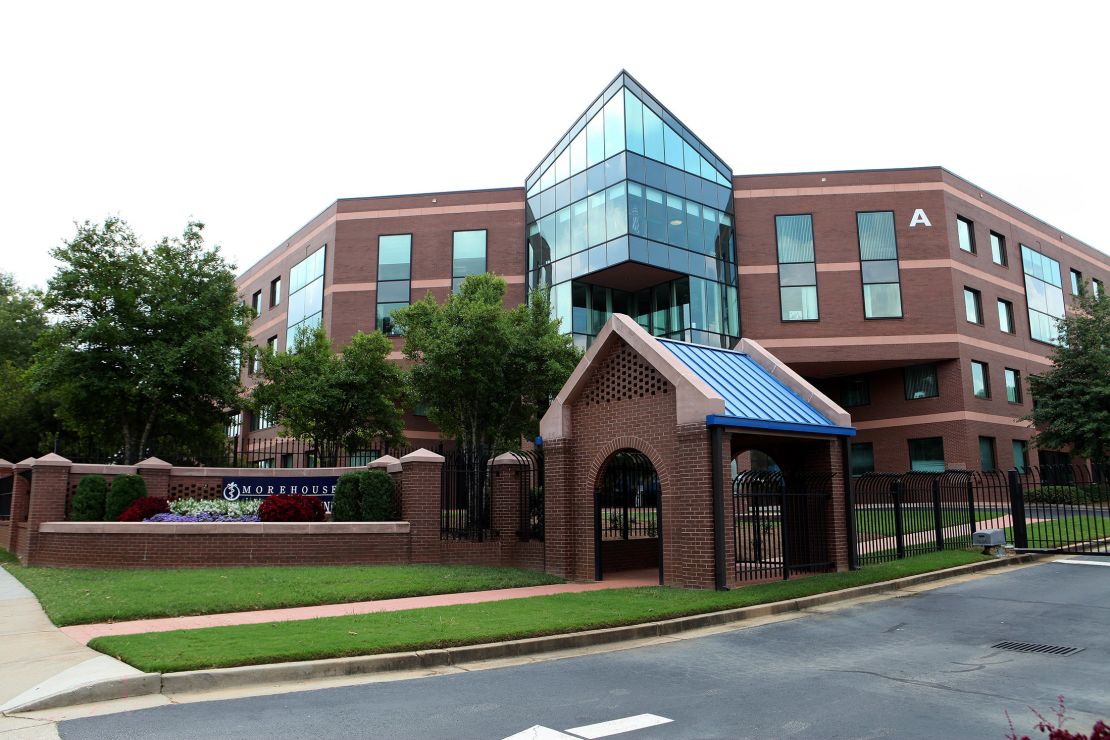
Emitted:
<point x="322" y="488"/>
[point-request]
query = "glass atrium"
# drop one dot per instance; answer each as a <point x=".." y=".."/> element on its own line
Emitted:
<point x="631" y="213"/>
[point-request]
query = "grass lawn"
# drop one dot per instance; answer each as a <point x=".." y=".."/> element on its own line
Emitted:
<point x="446" y="626"/>
<point x="1064" y="531"/>
<point x="83" y="595"/>
<point x="881" y="522"/>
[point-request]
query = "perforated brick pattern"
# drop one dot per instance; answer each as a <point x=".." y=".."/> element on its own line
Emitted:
<point x="624" y="376"/>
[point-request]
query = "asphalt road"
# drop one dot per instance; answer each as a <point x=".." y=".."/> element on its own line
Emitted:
<point x="918" y="666"/>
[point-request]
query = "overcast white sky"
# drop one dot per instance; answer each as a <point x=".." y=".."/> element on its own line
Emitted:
<point x="253" y="117"/>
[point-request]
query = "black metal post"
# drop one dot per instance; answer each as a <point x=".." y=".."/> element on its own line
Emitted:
<point x="1017" y="511"/>
<point x="971" y="503"/>
<point x="850" y="505"/>
<point x="717" y="461"/>
<point x="938" y="515"/>
<point x="785" y="529"/>
<point x="597" y="535"/>
<point x="899" y="530"/>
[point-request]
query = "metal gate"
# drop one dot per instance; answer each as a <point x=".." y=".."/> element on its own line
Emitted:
<point x="1061" y="508"/>
<point x="628" y="504"/>
<point x="781" y="524"/>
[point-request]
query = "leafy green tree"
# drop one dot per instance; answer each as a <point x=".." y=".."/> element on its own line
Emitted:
<point x="26" y="417"/>
<point x="147" y="339"/>
<point x="22" y="320"/>
<point x="334" y="400"/>
<point x="1072" y="406"/>
<point x="485" y="373"/>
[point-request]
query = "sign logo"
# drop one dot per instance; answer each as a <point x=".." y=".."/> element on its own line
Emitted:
<point x="231" y="491"/>
<point x="919" y="217"/>
<point x="256" y="487"/>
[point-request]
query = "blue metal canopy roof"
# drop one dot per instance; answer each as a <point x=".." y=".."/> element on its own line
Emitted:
<point x="754" y="398"/>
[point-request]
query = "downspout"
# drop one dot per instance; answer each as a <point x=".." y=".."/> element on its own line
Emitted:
<point x="718" y="510"/>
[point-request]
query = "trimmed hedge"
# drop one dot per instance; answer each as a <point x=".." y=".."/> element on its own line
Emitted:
<point x="346" y="504"/>
<point x="364" y="497"/>
<point x="125" y="490"/>
<point x="1078" y="493"/>
<point x="89" y="499"/>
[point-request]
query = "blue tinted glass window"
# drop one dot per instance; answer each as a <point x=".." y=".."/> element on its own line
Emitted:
<point x="562" y="165"/>
<point x="614" y="125"/>
<point x="878" y="253"/>
<point x="1043" y="294"/>
<point x="469" y="253"/>
<point x="653" y="135"/>
<point x="578" y="153"/>
<point x="562" y="233"/>
<point x="578" y="240"/>
<point x="616" y="212"/>
<point x="596" y="218"/>
<point x="634" y="122"/>
<point x="595" y="141"/>
<point x="672" y="144"/>
<point x="394" y="257"/>
<point x="306" y="294"/>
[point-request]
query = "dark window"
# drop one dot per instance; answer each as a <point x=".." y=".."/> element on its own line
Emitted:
<point x="1021" y="454"/>
<point x="980" y="379"/>
<point x="966" y="232"/>
<point x="394" y="272"/>
<point x="1076" y="281"/>
<point x="921" y="382"/>
<point x="797" y="268"/>
<point x="998" y="249"/>
<point x="927" y="454"/>
<point x="1096" y="287"/>
<point x="878" y="254"/>
<point x="863" y="458"/>
<point x="1006" y="316"/>
<point x="1013" y="385"/>
<point x="255" y="364"/>
<point x="855" y="392"/>
<point x="986" y="454"/>
<point x="973" y="306"/>
<point x="256" y="302"/>
<point x="287" y="460"/>
<point x="275" y="291"/>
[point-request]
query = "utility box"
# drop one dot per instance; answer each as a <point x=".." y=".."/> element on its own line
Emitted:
<point x="989" y="538"/>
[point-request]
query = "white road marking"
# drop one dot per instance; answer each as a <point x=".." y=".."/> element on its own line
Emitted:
<point x="1082" y="562"/>
<point x="539" y="732"/>
<point x="617" y="726"/>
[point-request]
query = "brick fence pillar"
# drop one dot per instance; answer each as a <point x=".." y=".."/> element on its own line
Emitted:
<point x="505" y="494"/>
<point x="7" y="470"/>
<point x="688" y="536"/>
<point x="421" y="485"/>
<point x="559" y="526"/>
<point x="49" y="489"/>
<point x="21" y="503"/>
<point x="826" y="458"/>
<point x="156" y="476"/>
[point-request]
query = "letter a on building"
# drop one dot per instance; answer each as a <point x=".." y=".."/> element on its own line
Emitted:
<point x="919" y="217"/>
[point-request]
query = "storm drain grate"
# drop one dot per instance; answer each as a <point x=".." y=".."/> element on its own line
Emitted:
<point x="1032" y="647"/>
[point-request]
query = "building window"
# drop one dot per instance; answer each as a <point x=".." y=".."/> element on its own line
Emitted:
<point x="878" y="254"/>
<point x="394" y="273"/>
<point x="987" y="460"/>
<point x="275" y="291"/>
<point x="287" y="459"/>
<point x="1013" y="385"/>
<point x="262" y="419"/>
<point x="1096" y="287"/>
<point x="234" y="425"/>
<point x="271" y="345"/>
<point x="797" y="268"/>
<point x="863" y="458"/>
<point x="255" y="364"/>
<point x="980" y="379"/>
<point x="306" y="296"/>
<point x="1076" y="281"/>
<point x="1021" y="454"/>
<point x="1006" y="316"/>
<point x="855" y="392"/>
<point x="966" y="232"/>
<point x="921" y="382"/>
<point x="927" y="454"/>
<point x="973" y="306"/>
<point x="998" y="249"/>
<point x="256" y="302"/>
<point x="468" y="256"/>
<point x="1043" y="295"/>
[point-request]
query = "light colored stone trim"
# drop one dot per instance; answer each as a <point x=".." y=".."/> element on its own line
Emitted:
<point x="52" y="459"/>
<point x="385" y="461"/>
<point x="782" y="373"/>
<point x="872" y="340"/>
<point x="422" y="455"/>
<point x="902" y="421"/>
<point x="260" y="472"/>
<point x="255" y="528"/>
<point x="25" y="463"/>
<point x="153" y="462"/>
<point x="90" y="469"/>
<point x="694" y="399"/>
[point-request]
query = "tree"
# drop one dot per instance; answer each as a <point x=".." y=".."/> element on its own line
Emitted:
<point x="334" y="400"/>
<point x="147" y="341"/>
<point x="26" y="417"/>
<point x="22" y="320"/>
<point x="1072" y="406"/>
<point x="485" y="373"/>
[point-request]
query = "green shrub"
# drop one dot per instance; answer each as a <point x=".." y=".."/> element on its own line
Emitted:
<point x="378" y="503"/>
<point x="1073" y="494"/>
<point x="89" y="499"/>
<point x="346" y="504"/>
<point x="126" y="490"/>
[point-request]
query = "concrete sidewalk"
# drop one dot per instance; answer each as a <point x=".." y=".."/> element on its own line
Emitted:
<point x="82" y="633"/>
<point x="37" y="659"/>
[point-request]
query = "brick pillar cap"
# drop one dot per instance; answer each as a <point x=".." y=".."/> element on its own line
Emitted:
<point x="52" y="459"/>
<point x="153" y="462"/>
<point x="26" y="463"/>
<point x="384" y="462"/>
<point x="506" y="458"/>
<point x="5" y="464"/>
<point x="422" y="455"/>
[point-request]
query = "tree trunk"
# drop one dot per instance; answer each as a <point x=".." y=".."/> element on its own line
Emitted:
<point x="146" y="431"/>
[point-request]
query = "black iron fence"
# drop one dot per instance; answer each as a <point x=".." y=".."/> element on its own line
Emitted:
<point x="1050" y="508"/>
<point x="781" y="524"/>
<point x="530" y="468"/>
<point x="6" y="497"/>
<point x="466" y="495"/>
<point x="627" y="498"/>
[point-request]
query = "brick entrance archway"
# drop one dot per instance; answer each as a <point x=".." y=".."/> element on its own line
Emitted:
<point x="628" y="515"/>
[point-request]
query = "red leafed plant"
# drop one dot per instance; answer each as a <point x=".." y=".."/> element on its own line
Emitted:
<point x="144" y="508"/>
<point x="291" y="508"/>
<point x="1055" y="730"/>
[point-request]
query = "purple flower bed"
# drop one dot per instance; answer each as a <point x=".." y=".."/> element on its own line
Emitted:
<point x="176" y="518"/>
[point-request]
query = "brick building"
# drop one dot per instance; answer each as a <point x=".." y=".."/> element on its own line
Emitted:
<point x="917" y="300"/>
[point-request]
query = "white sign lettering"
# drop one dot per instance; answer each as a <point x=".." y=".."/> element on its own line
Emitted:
<point x="919" y="217"/>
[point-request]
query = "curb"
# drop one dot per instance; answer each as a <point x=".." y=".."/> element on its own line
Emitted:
<point x="224" y="678"/>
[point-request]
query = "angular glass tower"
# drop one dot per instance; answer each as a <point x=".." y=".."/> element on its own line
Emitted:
<point x="631" y="213"/>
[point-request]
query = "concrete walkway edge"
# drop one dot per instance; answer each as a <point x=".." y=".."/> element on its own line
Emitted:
<point x="223" y="678"/>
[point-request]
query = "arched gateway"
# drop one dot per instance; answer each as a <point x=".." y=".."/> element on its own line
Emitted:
<point x="638" y="447"/>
